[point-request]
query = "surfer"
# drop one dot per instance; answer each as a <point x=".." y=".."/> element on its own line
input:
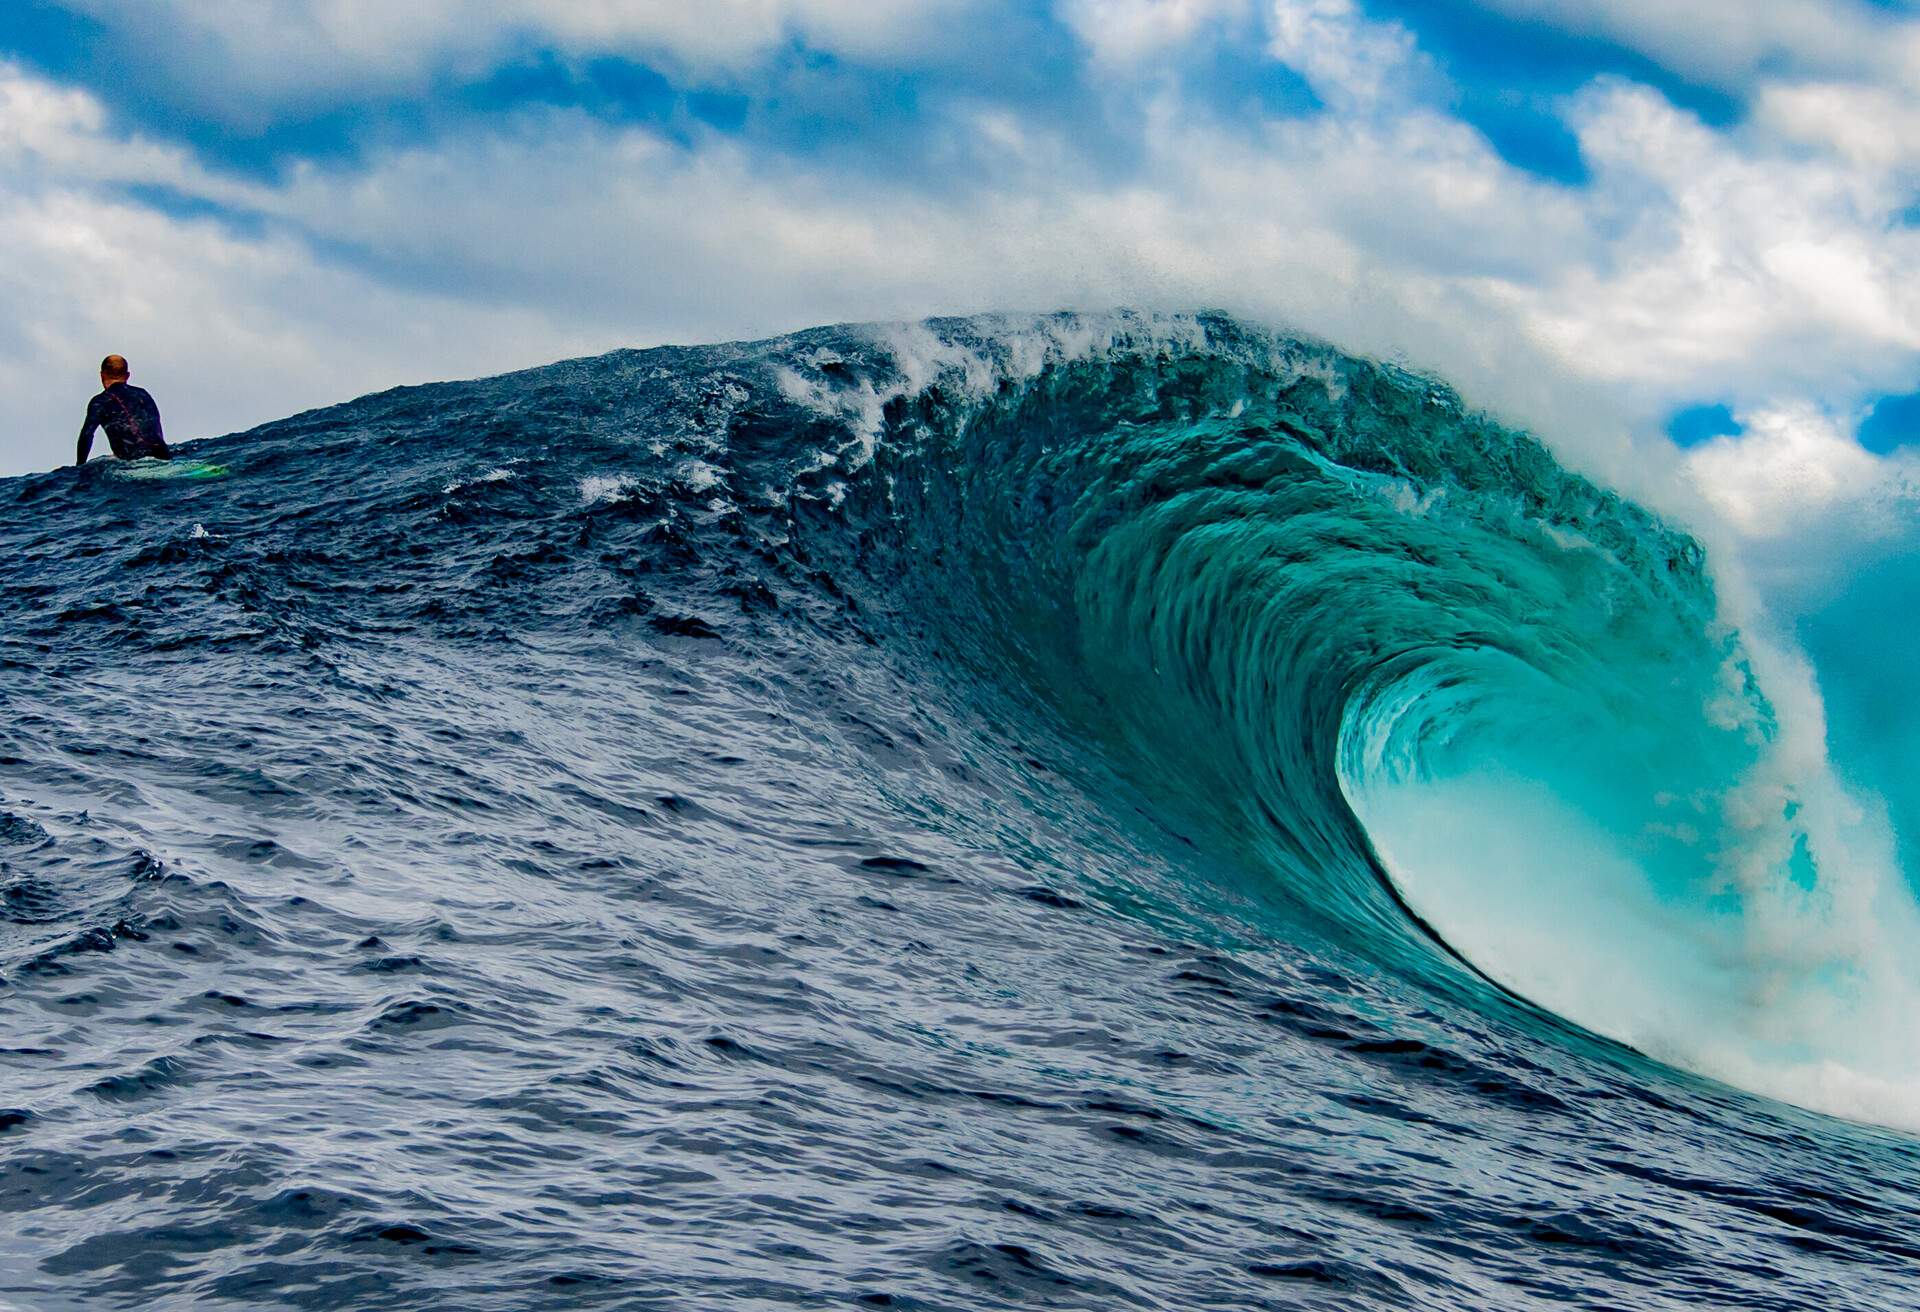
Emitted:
<point x="128" y="414"/>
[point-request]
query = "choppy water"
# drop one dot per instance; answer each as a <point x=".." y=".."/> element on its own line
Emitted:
<point x="984" y="815"/>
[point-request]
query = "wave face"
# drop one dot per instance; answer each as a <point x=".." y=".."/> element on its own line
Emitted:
<point x="1078" y="811"/>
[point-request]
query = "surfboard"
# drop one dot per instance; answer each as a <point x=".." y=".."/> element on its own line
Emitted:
<point x="176" y="468"/>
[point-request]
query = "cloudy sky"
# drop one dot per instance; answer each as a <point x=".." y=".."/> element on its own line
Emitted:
<point x="1695" y="226"/>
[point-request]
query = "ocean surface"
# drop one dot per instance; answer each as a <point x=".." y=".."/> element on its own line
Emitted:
<point x="1067" y="812"/>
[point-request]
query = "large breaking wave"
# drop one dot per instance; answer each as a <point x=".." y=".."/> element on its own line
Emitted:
<point x="1449" y="700"/>
<point x="1105" y="810"/>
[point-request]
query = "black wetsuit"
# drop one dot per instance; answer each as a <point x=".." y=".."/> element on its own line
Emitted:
<point x="132" y="422"/>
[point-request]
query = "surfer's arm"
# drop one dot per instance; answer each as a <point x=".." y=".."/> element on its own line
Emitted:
<point x="85" y="447"/>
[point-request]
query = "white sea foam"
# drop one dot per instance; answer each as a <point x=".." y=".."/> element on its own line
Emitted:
<point x="498" y="474"/>
<point x="700" y="476"/>
<point x="602" y="489"/>
<point x="1017" y="349"/>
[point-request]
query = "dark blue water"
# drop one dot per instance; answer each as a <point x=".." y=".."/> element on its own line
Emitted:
<point x="855" y="820"/>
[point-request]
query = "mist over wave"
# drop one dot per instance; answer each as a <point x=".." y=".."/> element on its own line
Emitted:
<point x="886" y="801"/>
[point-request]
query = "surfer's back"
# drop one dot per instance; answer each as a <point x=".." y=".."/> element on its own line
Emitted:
<point x="129" y="414"/>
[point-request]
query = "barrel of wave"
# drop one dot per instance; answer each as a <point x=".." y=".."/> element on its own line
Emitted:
<point x="1678" y="869"/>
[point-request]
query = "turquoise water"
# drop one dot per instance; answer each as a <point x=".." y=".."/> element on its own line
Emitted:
<point x="1453" y="704"/>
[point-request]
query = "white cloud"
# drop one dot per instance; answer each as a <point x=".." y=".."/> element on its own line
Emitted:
<point x="53" y="131"/>
<point x="1126" y="33"/>
<point x="1734" y="43"/>
<point x="1350" y="62"/>
<point x="1794" y="468"/>
<point x="1872" y="127"/>
<point x="1735" y="266"/>
<point x="243" y="61"/>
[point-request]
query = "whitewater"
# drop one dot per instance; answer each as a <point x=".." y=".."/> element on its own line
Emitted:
<point x="1069" y="811"/>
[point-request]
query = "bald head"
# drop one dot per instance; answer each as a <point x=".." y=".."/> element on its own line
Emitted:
<point x="114" y="369"/>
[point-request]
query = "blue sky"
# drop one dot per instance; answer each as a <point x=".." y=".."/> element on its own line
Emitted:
<point x="1624" y="222"/>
